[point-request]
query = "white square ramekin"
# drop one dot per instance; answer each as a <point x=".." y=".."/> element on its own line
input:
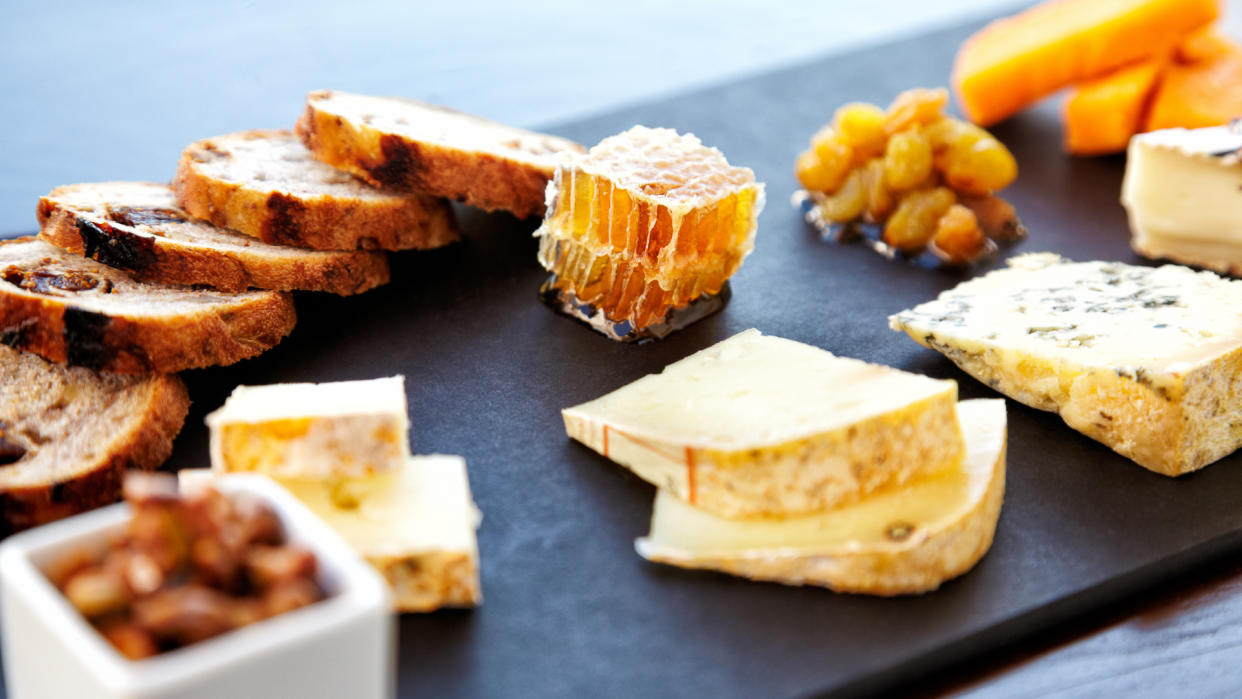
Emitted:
<point x="342" y="646"/>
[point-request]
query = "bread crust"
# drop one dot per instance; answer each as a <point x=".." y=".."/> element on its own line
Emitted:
<point x="215" y="334"/>
<point x="168" y="260"/>
<point x="318" y="222"/>
<point x="489" y="181"/>
<point x="145" y="442"/>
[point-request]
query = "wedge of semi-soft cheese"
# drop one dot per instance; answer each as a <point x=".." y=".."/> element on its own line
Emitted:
<point x="1146" y="360"/>
<point x="1183" y="193"/>
<point x="760" y="425"/>
<point x="902" y="540"/>
<point x="416" y="525"/>
<point x="337" y="429"/>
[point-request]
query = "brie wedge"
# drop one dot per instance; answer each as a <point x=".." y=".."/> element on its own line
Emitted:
<point x="759" y="425"/>
<point x="415" y="525"/>
<point x="902" y="540"/>
<point x="1183" y="193"/>
<point x="1146" y="360"/>
<point x="345" y="428"/>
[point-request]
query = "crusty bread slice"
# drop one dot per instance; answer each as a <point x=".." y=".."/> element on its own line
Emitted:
<point x="408" y="145"/>
<point x="74" y="310"/>
<point x="266" y="184"/>
<point x="68" y="434"/>
<point x="137" y="227"/>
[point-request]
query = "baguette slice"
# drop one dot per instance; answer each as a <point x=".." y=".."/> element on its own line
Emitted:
<point x="904" y="540"/>
<point x="759" y="425"/>
<point x="266" y="185"/>
<point x="73" y="310"/>
<point x="408" y="145"/>
<point x="137" y="227"/>
<point x="68" y="434"/>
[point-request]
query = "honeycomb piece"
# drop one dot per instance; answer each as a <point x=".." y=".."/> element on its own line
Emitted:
<point x="646" y="222"/>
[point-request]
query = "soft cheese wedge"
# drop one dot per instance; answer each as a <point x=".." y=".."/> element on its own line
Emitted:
<point x="760" y="425"/>
<point x="1146" y="360"/>
<point x="901" y="540"/>
<point x="415" y="525"/>
<point x="1183" y="193"/>
<point x="339" y="429"/>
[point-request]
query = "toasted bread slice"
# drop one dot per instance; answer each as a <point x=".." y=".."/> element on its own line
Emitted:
<point x="905" y="540"/>
<point x="73" y="310"/>
<point x="68" y="434"/>
<point x="265" y="184"/>
<point x="413" y="146"/>
<point x="137" y="227"/>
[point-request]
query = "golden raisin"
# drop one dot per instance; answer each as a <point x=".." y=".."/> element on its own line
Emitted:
<point x="861" y="126"/>
<point x="848" y="202"/>
<point x="880" y="200"/>
<point x="835" y="156"/>
<point x="958" y="234"/>
<point x="915" y="108"/>
<point x="907" y="160"/>
<point x="811" y="172"/>
<point x="997" y="218"/>
<point x="953" y="133"/>
<point x="914" y="222"/>
<point x="982" y="168"/>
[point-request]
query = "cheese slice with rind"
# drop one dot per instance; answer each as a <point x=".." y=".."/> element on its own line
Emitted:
<point x="415" y="525"/>
<point x="903" y="540"/>
<point x="761" y="425"/>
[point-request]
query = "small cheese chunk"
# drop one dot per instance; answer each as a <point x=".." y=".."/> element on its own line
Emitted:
<point x="763" y="425"/>
<point x="415" y="525"/>
<point x="1183" y="194"/>
<point x="1146" y="360"/>
<point x="346" y="428"/>
<point x="900" y="540"/>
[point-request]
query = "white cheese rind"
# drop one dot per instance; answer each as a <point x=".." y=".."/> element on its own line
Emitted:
<point x="416" y="525"/>
<point x="1183" y="194"/>
<point x="1145" y="360"/>
<point x="899" y="541"/>
<point x="339" y="429"/>
<point x="762" y="425"/>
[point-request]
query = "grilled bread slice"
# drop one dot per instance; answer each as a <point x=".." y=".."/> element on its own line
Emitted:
<point x="137" y="227"/>
<point x="68" y="434"/>
<point x="265" y="184"/>
<point x="407" y="145"/>
<point x="71" y="309"/>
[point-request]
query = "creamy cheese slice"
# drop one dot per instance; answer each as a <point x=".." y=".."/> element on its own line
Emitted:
<point x="416" y="525"/>
<point x="343" y="428"/>
<point x="763" y="425"/>
<point x="897" y="541"/>
<point x="1183" y="193"/>
<point x="1143" y="359"/>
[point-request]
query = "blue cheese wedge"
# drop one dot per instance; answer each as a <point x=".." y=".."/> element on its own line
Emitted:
<point x="760" y="425"/>
<point x="338" y="429"/>
<point x="416" y="525"/>
<point x="901" y="540"/>
<point x="1146" y="360"/>
<point x="1183" y="194"/>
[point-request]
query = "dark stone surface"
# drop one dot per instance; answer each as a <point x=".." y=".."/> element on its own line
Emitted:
<point x="570" y="609"/>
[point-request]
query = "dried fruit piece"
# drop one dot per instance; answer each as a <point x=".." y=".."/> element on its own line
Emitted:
<point x="861" y="126"/>
<point x="958" y="235"/>
<point x="914" y="222"/>
<point x="916" y="107"/>
<point x="907" y="160"/>
<point x="848" y="202"/>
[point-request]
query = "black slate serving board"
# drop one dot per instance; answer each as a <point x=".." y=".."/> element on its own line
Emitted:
<point x="570" y="609"/>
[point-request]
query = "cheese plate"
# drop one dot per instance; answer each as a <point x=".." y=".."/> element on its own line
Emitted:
<point x="570" y="608"/>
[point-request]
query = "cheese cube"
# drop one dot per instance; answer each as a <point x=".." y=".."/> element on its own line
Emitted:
<point x="415" y="525"/>
<point x="763" y="425"/>
<point x="346" y="428"/>
<point x="1146" y="360"/>
<point x="1183" y="193"/>
<point x="898" y="541"/>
